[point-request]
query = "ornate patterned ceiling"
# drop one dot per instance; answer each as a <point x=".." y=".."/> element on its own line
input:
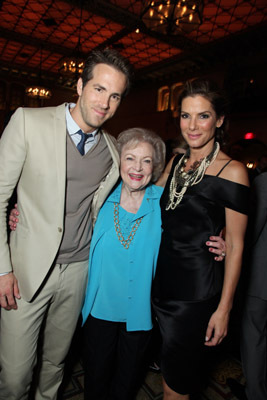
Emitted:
<point x="31" y="30"/>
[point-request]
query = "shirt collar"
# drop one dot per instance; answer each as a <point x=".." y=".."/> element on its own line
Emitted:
<point x="72" y="126"/>
<point x="151" y="192"/>
<point x="147" y="206"/>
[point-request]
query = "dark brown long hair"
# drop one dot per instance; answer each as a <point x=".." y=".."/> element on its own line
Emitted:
<point x="210" y="91"/>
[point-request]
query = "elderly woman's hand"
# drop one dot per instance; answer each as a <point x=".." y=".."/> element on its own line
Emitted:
<point x="13" y="218"/>
<point x="217" y="246"/>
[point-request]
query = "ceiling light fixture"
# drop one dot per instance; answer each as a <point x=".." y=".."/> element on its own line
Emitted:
<point x="171" y="17"/>
<point x="74" y="64"/>
<point x="39" y="91"/>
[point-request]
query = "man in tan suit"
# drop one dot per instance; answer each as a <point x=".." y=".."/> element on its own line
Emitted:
<point x="60" y="188"/>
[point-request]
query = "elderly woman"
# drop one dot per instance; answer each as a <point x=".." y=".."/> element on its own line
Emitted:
<point x="123" y="256"/>
<point x="205" y="191"/>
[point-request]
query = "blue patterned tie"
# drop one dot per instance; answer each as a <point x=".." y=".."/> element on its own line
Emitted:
<point x="84" y="137"/>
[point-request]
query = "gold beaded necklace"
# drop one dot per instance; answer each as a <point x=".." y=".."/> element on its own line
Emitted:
<point x="124" y="242"/>
<point x="182" y="179"/>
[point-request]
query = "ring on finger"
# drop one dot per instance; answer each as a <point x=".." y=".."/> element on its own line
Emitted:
<point x="223" y="254"/>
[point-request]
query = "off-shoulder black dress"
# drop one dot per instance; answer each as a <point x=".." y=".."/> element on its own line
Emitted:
<point x="188" y="280"/>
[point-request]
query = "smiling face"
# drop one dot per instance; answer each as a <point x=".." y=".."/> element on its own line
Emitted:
<point x="99" y="98"/>
<point x="136" y="165"/>
<point x="198" y="121"/>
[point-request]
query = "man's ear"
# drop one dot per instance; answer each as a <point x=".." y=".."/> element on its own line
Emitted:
<point x="80" y="86"/>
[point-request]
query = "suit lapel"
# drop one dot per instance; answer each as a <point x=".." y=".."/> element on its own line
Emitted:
<point x="60" y="132"/>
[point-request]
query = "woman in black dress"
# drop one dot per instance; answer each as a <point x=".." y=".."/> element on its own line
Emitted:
<point x="205" y="191"/>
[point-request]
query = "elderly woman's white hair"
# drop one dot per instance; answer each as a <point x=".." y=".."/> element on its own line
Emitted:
<point x="134" y="136"/>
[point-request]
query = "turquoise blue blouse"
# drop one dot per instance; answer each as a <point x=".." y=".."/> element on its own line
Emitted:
<point x="120" y="279"/>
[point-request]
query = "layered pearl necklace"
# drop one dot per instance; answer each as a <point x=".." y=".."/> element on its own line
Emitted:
<point x="182" y="179"/>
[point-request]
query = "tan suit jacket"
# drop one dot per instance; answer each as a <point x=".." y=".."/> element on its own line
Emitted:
<point x="33" y="157"/>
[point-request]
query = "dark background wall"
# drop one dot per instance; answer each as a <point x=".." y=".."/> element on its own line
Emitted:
<point x="139" y="108"/>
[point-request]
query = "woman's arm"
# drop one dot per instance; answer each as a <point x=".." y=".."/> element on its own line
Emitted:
<point x="235" y="232"/>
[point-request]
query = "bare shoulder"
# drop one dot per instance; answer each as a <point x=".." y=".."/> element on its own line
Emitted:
<point x="235" y="171"/>
<point x="163" y="178"/>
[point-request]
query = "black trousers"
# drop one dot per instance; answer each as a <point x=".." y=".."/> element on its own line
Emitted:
<point x="254" y="347"/>
<point x="114" y="360"/>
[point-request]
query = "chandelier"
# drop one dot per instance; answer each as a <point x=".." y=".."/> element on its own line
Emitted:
<point x="39" y="91"/>
<point x="172" y="17"/>
<point x="72" y="65"/>
<point x="75" y="64"/>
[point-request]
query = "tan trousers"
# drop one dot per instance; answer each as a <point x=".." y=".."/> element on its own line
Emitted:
<point x="58" y="306"/>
